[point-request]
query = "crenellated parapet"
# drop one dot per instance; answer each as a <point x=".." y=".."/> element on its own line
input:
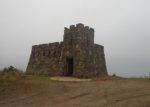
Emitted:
<point x="79" y="27"/>
<point x="45" y="50"/>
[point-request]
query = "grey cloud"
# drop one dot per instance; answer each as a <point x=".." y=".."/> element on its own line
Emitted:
<point x="122" y="26"/>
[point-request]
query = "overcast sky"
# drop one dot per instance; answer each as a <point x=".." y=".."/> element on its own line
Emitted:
<point x="122" y="26"/>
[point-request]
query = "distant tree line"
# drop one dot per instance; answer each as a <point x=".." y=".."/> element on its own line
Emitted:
<point x="11" y="69"/>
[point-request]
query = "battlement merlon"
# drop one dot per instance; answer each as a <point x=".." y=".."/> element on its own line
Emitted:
<point x="79" y="26"/>
<point x="40" y="47"/>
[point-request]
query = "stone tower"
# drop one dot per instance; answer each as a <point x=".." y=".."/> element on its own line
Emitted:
<point x="76" y="56"/>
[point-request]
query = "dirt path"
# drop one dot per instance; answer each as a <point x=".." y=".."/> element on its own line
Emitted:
<point x="41" y="92"/>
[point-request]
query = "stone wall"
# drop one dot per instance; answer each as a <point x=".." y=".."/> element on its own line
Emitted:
<point x="45" y="59"/>
<point x="78" y="45"/>
<point x="99" y="60"/>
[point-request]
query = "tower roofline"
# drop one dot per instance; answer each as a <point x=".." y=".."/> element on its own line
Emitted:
<point x="78" y="26"/>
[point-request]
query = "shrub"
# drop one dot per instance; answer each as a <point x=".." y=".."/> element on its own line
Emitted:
<point x="11" y="69"/>
<point x="114" y="75"/>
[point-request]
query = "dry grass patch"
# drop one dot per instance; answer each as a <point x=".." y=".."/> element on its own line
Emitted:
<point x="70" y="79"/>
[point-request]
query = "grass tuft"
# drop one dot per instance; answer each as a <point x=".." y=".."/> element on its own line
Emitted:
<point x="7" y="77"/>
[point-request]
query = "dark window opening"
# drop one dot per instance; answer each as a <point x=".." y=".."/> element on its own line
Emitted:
<point x="69" y="67"/>
<point x="43" y="53"/>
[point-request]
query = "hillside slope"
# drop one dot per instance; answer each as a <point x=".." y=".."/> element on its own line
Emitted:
<point x="36" y="91"/>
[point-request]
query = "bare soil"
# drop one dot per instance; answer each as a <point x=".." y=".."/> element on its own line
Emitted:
<point x="71" y="79"/>
<point x="104" y="92"/>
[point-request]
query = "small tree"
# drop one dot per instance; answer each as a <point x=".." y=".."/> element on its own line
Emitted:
<point x="10" y="69"/>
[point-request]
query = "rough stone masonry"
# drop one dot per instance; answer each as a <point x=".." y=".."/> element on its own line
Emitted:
<point x="76" y="56"/>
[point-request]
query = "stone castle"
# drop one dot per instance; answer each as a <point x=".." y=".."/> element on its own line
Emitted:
<point x="76" y="56"/>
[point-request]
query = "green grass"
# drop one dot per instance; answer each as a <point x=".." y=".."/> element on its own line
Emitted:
<point x="148" y="78"/>
<point x="38" y="74"/>
<point x="7" y="77"/>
